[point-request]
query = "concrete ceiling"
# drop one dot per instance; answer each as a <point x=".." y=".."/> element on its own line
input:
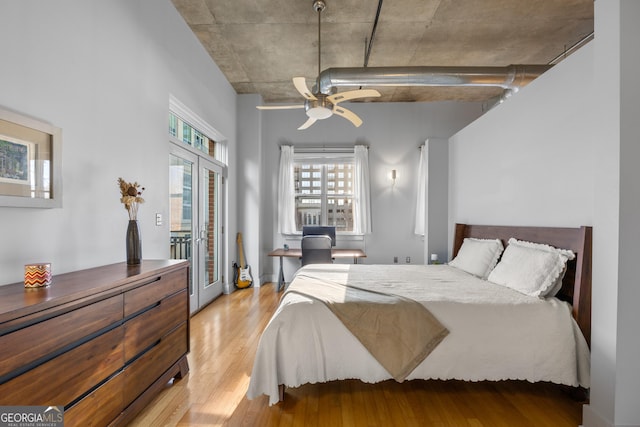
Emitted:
<point x="260" y="45"/>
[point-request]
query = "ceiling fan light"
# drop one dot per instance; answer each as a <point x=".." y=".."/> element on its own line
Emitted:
<point x="319" y="113"/>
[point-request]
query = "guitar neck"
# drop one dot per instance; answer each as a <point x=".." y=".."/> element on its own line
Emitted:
<point x="240" y="250"/>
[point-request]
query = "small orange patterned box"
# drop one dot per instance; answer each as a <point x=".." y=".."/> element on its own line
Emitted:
<point x="37" y="275"/>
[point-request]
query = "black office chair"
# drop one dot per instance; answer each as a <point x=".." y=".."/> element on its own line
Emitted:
<point x="316" y="249"/>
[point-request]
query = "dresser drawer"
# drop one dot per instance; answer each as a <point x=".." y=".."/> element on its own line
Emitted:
<point x="144" y="371"/>
<point x="99" y="407"/>
<point x="24" y="346"/>
<point x="149" y="294"/>
<point x="69" y="375"/>
<point x="146" y="329"/>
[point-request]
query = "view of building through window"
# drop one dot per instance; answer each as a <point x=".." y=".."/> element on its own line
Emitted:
<point x="324" y="194"/>
<point x="190" y="136"/>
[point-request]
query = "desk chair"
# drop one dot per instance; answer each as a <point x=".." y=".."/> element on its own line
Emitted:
<point x="316" y="250"/>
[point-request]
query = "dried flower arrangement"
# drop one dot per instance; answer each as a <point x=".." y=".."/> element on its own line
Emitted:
<point x="131" y="197"/>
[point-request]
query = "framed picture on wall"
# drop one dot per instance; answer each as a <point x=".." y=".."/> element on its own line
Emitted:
<point x="30" y="162"/>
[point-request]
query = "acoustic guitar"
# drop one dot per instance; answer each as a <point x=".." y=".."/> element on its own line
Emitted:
<point x="242" y="273"/>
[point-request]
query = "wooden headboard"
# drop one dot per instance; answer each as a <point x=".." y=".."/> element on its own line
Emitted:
<point x="576" y="286"/>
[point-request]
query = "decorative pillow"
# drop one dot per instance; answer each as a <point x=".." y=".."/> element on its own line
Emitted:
<point x="531" y="268"/>
<point x="478" y="256"/>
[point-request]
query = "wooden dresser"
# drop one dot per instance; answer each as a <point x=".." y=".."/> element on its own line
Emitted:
<point x="101" y="342"/>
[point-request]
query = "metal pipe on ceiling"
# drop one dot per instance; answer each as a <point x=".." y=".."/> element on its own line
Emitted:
<point x="511" y="77"/>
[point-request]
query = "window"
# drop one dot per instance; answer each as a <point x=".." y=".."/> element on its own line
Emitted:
<point x="324" y="193"/>
<point x="191" y="136"/>
<point x="324" y="187"/>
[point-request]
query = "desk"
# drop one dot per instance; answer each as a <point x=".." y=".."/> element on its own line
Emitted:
<point x="297" y="253"/>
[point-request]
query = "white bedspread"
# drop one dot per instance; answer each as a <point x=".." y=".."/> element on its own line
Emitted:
<point x="495" y="333"/>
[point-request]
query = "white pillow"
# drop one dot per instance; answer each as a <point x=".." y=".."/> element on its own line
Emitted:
<point x="478" y="256"/>
<point x="531" y="268"/>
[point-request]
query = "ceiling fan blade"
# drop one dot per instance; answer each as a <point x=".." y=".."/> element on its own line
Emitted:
<point x="353" y="94"/>
<point x="307" y="123"/>
<point x="347" y="114"/>
<point x="301" y="85"/>
<point x="278" y="107"/>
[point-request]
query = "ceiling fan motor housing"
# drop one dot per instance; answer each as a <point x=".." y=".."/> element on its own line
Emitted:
<point x="320" y="108"/>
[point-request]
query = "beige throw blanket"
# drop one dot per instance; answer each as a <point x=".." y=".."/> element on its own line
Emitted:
<point x="399" y="332"/>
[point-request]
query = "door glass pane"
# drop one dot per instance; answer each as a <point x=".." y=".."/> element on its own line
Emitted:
<point x="181" y="209"/>
<point x="212" y="224"/>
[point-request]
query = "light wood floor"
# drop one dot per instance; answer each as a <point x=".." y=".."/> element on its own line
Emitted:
<point x="224" y="337"/>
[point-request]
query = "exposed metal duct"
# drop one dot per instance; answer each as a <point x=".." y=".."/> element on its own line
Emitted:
<point x="509" y="78"/>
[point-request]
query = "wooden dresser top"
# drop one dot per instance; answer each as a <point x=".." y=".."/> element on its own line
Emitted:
<point x="80" y="287"/>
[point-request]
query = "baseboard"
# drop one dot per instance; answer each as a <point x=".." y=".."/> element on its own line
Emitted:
<point x="229" y="288"/>
<point x="269" y="278"/>
<point x="590" y="418"/>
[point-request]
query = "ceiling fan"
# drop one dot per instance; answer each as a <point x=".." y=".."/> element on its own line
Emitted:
<point x="318" y="105"/>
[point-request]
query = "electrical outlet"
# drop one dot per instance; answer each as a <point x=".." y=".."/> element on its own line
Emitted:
<point x="158" y="219"/>
<point x="408" y="260"/>
<point x="395" y="259"/>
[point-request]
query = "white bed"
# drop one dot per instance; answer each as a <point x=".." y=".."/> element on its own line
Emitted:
<point x="495" y="333"/>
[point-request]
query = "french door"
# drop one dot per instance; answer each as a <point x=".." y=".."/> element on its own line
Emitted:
<point x="196" y="218"/>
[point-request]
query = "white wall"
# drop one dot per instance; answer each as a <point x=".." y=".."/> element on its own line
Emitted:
<point x="103" y="72"/>
<point x="564" y="152"/>
<point x="617" y="211"/>
<point x="628" y="316"/>
<point x="393" y="133"/>
<point x="249" y="182"/>
<point x="529" y="160"/>
<point x="437" y="241"/>
<point x="601" y="410"/>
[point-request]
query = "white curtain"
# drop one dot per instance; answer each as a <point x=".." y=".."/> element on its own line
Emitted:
<point x="286" y="192"/>
<point x="421" y="199"/>
<point x="362" y="205"/>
